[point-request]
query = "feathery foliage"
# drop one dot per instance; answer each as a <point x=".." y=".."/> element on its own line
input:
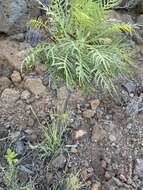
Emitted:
<point x="85" y="49"/>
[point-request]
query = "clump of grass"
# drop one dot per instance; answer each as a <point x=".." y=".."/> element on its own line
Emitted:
<point x="85" y="49"/>
<point x="52" y="139"/>
<point x="73" y="182"/>
<point x="11" y="174"/>
<point x="52" y="133"/>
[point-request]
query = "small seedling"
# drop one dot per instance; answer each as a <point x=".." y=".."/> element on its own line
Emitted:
<point x="11" y="157"/>
<point x="73" y="182"/>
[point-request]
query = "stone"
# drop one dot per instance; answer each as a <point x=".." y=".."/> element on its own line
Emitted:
<point x="4" y="83"/>
<point x="140" y="19"/>
<point x="132" y="5"/>
<point x="108" y="176"/>
<point x="96" y="186"/>
<point x="12" y="56"/>
<point x="5" y="68"/>
<point x="49" y="177"/>
<point x="115" y="184"/>
<point x="25" y="95"/>
<point x="98" y="133"/>
<point x="130" y="87"/>
<point x="10" y="95"/>
<point x="74" y="150"/>
<point x="88" y="113"/>
<point x="30" y="122"/>
<point x="116" y="17"/>
<point x="62" y="99"/>
<point x="112" y="138"/>
<point x="94" y="104"/>
<point x="59" y="162"/>
<point x="16" y="77"/>
<point x="84" y="174"/>
<point x="87" y="173"/>
<point x="135" y="106"/>
<point x="14" y="15"/>
<point x="103" y="164"/>
<point x="19" y="147"/>
<point x="139" y="168"/>
<point x="35" y="86"/>
<point x="20" y="37"/>
<point x="123" y="178"/>
<point x="41" y="69"/>
<point x="79" y="133"/>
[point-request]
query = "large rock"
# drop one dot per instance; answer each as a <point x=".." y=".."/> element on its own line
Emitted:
<point x="14" y="14"/>
<point x="4" y="83"/>
<point x="10" y="95"/>
<point x="133" y="4"/>
<point x="12" y="55"/>
<point x="35" y="86"/>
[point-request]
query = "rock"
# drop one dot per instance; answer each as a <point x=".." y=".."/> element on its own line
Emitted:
<point x="5" y="68"/>
<point x="140" y="19"/>
<point x="112" y="138"/>
<point x="30" y="122"/>
<point x="130" y="87"/>
<point x="84" y="174"/>
<point x="107" y="176"/>
<point x="135" y="106"/>
<point x="132" y="4"/>
<point x="138" y="39"/>
<point x="41" y="69"/>
<point x="25" y="95"/>
<point x="88" y="113"/>
<point x="49" y="177"/>
<point x="33" y="36"/>
<point x="62" y="99"/>
<point x="139" y="168"/>
<point x="20" y="37"/>
<point x="96" y="186"/>
<point x="16" y="77"/>
<point x="12" y="55"/>
<point x="74" y="150"/>
<point x="94" y="104"/>
<point x="59" y="162"/>
<point x="15" y="14"/>
<point x="10" y="95"/>
<point x="4" y="83"/>
<point x="87" y="173"/>
<point x="115" y="184"/>
<point x="35" y="86"/>
<point x="98" y="133"/>
<point x="116" y="17"/>
<point x="80" y="133"/>
<point x="103" y="164"/>
<point x="123" y="178"/>
<point x="19" y="147"/>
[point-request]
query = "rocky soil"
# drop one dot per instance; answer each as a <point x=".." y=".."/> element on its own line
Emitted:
<point x="103" y="141"/>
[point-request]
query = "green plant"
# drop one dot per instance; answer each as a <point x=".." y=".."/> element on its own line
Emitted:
<point x="53" y="133"/>
<point x="10" y="177"/>
<point x="84" y="49"/>
<point x="73" y="182"/>
<point x="11" y="157"/>
<point x="11" y="182"/>
<point x="52" y="139"/>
